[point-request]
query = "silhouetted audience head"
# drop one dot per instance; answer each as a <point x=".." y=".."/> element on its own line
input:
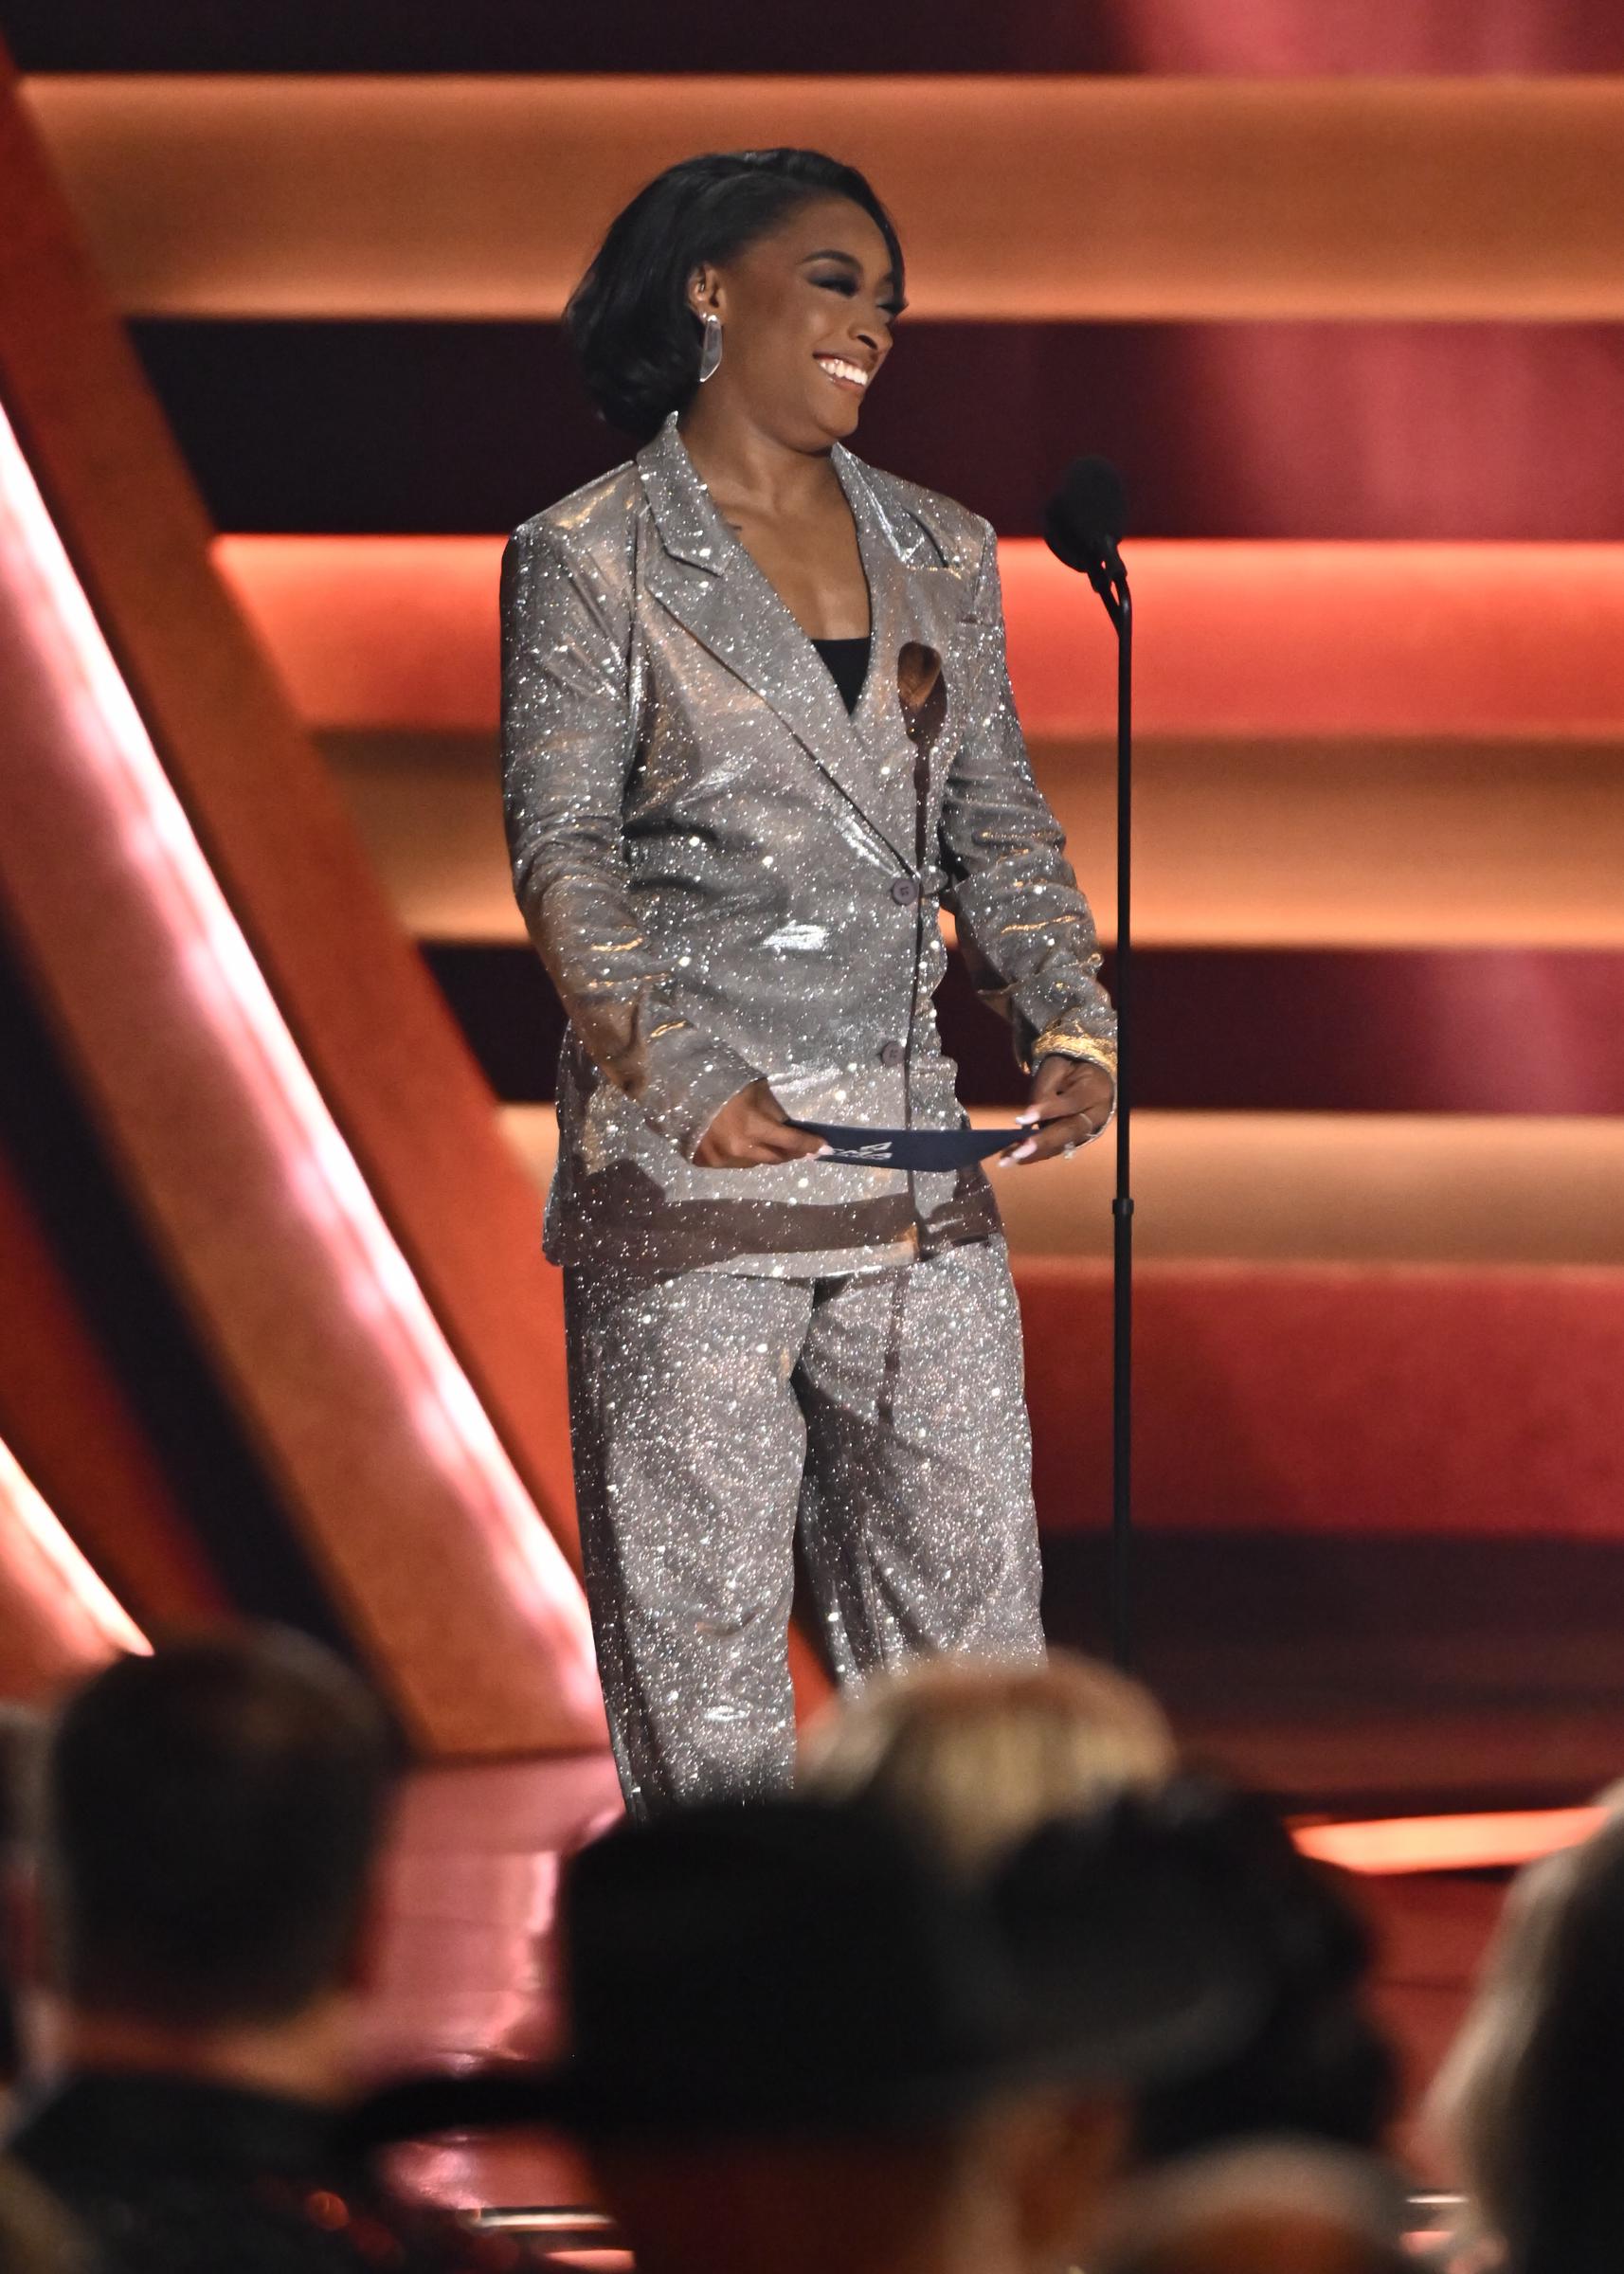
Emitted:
<point x="1286" y="2207"/>
<point x="210" y="1818"/>
<point x="1315" y="2064"/>
<point x="1531" y="2097"/>
<point x="975" y="1753"/>
<point x="975" y="1757"/>
<point x="799" y="2041"/>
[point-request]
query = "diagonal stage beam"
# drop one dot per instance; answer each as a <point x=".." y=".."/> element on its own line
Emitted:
<point x="303" y="1134"/>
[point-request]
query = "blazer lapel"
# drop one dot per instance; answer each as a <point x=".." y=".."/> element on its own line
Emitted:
<point x="917" y="595"/>
<point x="713" y="587"/>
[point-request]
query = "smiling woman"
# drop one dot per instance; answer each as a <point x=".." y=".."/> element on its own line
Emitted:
<point x="633" y="319"/>
<point x="757" y="734"/>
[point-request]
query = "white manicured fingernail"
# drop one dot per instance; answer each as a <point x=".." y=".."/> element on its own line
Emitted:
<point x="1022" y="1153"/>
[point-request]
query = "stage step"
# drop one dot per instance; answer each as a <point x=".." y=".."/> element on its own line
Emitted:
<point x="1247" y="640"/>
<point x="1460" y="1192"/>
<point x="481" y="196"/>
<point x="1257" y="841"/>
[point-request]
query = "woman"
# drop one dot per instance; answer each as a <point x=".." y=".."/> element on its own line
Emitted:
<point x="757" y="727"/>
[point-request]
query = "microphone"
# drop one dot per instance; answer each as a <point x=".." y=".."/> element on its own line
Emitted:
<point x="1083" y="521"/>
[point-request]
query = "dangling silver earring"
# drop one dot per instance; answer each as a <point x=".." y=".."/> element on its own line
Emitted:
<point x="710" y="353"/>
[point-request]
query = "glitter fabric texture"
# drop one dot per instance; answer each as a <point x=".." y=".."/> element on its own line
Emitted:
<point x="880" y="1415"/>
<point x="729" y="877"/>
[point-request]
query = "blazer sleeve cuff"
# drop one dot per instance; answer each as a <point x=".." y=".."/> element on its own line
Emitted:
<point x="1063" y="1041"/>
<point x="684" y="1097"/>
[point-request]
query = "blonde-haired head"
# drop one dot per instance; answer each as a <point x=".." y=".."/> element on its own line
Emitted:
<point x="977" y="1753"/>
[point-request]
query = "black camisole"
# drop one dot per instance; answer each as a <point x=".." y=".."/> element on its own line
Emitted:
<point x="848" y="662"/>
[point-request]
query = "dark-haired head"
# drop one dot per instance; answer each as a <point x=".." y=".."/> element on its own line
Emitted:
<point x="635" y="319"/>
<point x="1316" y="2065"/>
<point x="210" y="1822"/>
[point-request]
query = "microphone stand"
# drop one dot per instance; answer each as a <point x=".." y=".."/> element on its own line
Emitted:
<point x="1110" y="580"/>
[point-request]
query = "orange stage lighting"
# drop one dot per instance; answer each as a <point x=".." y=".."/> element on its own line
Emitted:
<point x="65" y="1598"/>
<point x="1444" y="640"/>
<point x="1135" y="197"/>
<point x="1474" y="1842"/>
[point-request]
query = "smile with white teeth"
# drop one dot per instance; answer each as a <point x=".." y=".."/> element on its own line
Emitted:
<point x="844" y="374"/>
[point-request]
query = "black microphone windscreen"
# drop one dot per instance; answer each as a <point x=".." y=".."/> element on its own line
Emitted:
<point x="1087" y="514"/>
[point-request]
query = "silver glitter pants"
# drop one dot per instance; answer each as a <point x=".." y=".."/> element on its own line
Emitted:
<point x="881" y="1416"/>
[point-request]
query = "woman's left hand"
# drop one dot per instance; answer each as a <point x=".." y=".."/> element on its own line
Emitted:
<point x="1070" y="1102"/>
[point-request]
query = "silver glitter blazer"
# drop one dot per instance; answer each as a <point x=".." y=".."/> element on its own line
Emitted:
<point x="729" y="877"/>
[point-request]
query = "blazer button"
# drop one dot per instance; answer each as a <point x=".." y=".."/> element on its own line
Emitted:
<point x="905" y="891"/>
<point x="894" y="1053"/>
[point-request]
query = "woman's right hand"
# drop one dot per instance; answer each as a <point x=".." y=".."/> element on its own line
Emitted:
<point x="751" y="1131"/>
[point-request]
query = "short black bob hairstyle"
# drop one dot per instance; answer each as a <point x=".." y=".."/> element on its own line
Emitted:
<point x="628" y="319"/>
